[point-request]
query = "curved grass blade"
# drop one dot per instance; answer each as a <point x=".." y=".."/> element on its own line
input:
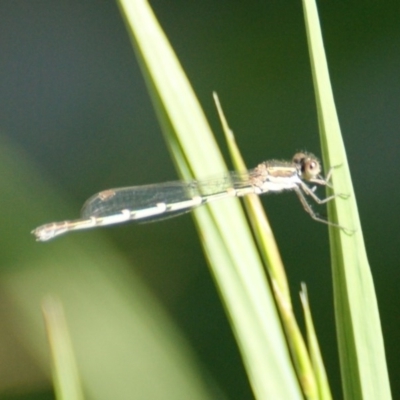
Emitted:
<point x="223" y="229"/>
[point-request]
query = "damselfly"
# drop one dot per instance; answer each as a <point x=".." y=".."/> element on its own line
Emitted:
<point x="159" y="201"/>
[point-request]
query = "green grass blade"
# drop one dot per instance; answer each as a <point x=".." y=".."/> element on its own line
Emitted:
<point x="67" y="385"/>
<point x="223" y="229"/>
<point x="270" y="254"/>
<point x="262" y="230"/>
<point x="361" y="347"/>
<point x="324" y="392"/>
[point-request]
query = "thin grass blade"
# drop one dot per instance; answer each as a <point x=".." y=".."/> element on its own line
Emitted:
<point x="270" y="254"/>
<point x="324" y="392"/>
<point x="67" y="385"/>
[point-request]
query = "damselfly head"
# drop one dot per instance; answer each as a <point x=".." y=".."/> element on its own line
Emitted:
<point x="307" y="164"/>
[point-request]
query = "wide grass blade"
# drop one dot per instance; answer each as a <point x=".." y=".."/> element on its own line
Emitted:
<point x="225" y="234"/>
<point x="361" y="348"/>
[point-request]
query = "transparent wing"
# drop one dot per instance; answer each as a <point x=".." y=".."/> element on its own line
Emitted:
<point x="154" y="202"/>
<point x="178" y="196"/>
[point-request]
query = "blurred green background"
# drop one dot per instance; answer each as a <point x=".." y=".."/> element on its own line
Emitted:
<point x="76" y="118"/>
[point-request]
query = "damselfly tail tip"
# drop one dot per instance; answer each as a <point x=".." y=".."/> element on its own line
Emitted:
<point x="45" y="232"/>
<point x="40" y="235"/>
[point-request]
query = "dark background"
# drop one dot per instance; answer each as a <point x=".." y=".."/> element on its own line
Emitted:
<point x="73" y="101"/>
